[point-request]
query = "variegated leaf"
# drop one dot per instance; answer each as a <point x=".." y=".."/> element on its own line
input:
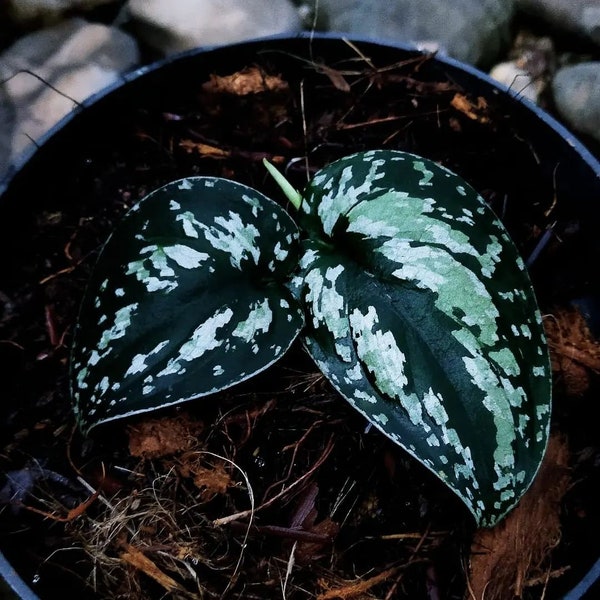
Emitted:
<point x="186" y="299"/>
<point x="421" y="313"/>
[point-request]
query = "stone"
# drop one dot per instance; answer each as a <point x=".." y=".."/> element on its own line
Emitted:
<point x="47" y="11"/>
<point x="172" y="27"/>
<point x="472" y="31"/>
<point x="47" y="72"/>
<point x="516" y="79"/>
<point x="581" y="17"/>
<point x="576" y="93"/>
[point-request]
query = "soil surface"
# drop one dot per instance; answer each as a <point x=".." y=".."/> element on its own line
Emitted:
<point x="277" y="488"/>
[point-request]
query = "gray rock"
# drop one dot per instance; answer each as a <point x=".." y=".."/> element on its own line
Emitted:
<point x="517" y="79"/>
<point x="76" y="58"/>
<point x="172" y="27"/>
<point x="576" y="92"/>
<point x="474" y="31"/>
<point x="576" y="16"/>
<point x="530" y="68"/>
<point x="46" y="11"/>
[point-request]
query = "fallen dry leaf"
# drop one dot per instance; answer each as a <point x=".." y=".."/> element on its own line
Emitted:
<point x="304" y="518"/>
<point x="336" y="77"/>
<point x="307" y="552"/>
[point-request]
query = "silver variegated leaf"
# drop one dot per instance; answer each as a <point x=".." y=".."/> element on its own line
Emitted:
<point x="186" y="299"/>
<point x="421" y="313"/>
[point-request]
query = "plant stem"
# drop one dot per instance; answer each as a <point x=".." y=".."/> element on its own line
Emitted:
<point x="292" y="194"/>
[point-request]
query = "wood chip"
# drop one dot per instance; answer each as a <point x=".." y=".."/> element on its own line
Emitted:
<point x="140" y="561"/>
<point x="203" y="149"/>
<point x="251" y="80"/>
<point x="475" y="112"/>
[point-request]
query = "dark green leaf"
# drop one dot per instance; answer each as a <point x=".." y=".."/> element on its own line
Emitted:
<point x="186" y="299"/>
<point x="421" y="313"/>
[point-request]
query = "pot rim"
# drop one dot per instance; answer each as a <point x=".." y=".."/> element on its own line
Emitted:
<point x="14" y="582"/>
<point x="7" y="572"/>
<point x="136" y="73"/>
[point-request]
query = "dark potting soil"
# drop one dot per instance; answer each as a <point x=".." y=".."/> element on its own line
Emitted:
<point x="277" y="487"/>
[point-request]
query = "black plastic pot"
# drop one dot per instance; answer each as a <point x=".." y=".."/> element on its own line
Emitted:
<point x="563" y="165"/>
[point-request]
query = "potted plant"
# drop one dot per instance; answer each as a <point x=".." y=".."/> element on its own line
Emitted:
<point x="274" y="485"/>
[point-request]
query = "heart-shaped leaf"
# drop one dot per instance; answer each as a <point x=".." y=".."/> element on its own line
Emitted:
<point x="422" y="315"/>
<point x="186" y="299"/>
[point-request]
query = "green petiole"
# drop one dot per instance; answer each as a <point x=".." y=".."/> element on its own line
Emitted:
<point x="292" y="194"/>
